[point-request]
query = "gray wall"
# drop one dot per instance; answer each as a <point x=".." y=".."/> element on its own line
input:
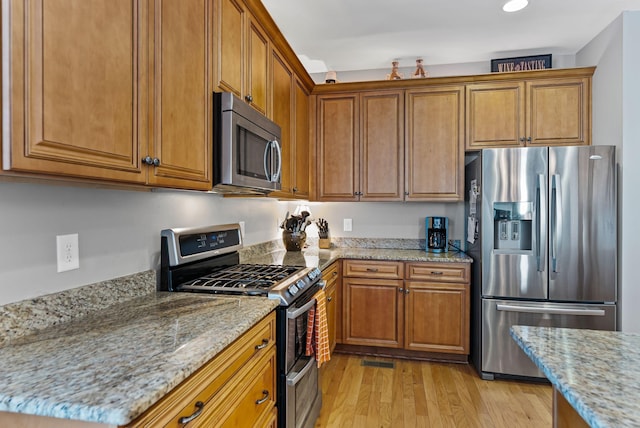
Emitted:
<point x="616" y="109"/>
<point x="118" y="231"/>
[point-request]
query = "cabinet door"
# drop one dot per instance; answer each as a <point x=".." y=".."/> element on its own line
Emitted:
<point x="337" y="148"/>
<point x="301" y="159"/>
<point x="331" y="276"/>
<point x="372" y="310"/>
<point x="495" y="115"/>
<point x="382" y="146"/>
<point x="257" y="66"/>
<point x="435" y="144"/>
<point x="230" y="48"/>
<point x="181" y="110"/>
<point x="282" y="114"/>
<point x="437" y="317"/>
<point x="77" y="72"/>
<point x="559" y="112"/>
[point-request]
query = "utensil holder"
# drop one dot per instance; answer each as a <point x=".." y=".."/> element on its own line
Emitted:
<point x="293" y="241"/>
<point x="324" y="243"/>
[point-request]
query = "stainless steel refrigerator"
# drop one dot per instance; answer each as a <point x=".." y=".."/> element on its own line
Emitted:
<point x="541" y="229"/>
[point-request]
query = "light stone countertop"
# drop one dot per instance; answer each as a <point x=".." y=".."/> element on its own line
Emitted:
<point x="112" y="365"/>
<point x="597" y="372"/>
<point x="106" y="352"/>
<point x="315" y="257"/>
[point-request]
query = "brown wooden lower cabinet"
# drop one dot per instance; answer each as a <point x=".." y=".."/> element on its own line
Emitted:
<point x="331" y="276"/>
<point x="425" y="308"/>
<point x="373" y="309"/>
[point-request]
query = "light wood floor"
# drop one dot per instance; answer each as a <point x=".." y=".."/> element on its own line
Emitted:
<point x="425" y="394"/>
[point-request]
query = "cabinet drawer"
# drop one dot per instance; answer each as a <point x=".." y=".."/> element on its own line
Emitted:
<point x="441" y="272"/>
<point x="248" y="401"/>
<point x="209" y="379"/>
<point x="330" y="274"/>
<point x="372" y="269"/>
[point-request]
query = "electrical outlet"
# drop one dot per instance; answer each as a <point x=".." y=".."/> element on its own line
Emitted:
<point x="348" y="225"/>
<point x="67" y="252"/>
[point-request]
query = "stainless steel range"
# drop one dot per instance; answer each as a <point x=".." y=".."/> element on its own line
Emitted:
<point x="206" y="260"/>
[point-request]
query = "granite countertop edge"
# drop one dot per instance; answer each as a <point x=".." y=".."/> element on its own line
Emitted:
<point x="139" y="352"/>
<point x="594" y="370"/>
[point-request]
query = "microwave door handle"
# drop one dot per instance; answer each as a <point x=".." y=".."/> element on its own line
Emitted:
<point x="276" y="175"/>
<point x="266" y="159"/>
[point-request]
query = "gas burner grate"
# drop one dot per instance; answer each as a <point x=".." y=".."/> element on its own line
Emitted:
<point x="258" y="277"/>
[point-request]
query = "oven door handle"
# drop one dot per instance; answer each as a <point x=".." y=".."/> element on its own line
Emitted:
<point x="301" y="310"/>
<point x="297" y="377"/>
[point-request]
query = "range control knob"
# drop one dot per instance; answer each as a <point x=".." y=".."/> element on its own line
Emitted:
<point x="293" y="289"/>
<point x="313" y="273"/>
<point x="300" y="284"/>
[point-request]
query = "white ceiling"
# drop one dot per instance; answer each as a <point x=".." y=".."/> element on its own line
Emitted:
<point x="368" y="34"/>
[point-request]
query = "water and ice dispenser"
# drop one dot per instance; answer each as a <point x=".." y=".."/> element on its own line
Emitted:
<point x="513" y="222"/>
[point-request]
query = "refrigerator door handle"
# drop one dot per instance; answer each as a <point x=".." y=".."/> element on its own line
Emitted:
<point x="556" y="220"/>
<point x="547" y="310"/>
<point x="541" y="209"/>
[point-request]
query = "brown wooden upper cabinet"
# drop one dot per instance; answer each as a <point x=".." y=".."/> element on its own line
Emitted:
<point x="545" y="111"/>
<point x="242" y="51"/>
<point x="110" y="102"/>
<point x="290" y="110"/>
<point x="360" y="151"/>
<point x="390" y="145"/>
<point x="434" y="144"/>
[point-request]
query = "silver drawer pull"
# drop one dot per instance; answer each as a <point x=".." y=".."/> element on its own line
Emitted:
<point x="265" y="342"/>
<point x="265" y="397"/>
<point x="436" y="273"/>
<point x="186" y="419"/>
<point x="372" y="270"/>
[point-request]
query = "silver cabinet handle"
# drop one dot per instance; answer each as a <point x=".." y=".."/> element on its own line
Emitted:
<point x="372" y="270"/>
<point x="186" y="419"/>
<point x="249" y="98"/>
<point x="264" y="344"/>
<point x="329" y="299"/>
<point x="265" y="397"/>
<point x="400" y="290"/>
<point x="297" y="377"/>
<point x="553" y="311"/>
<point x="436" y="273"/>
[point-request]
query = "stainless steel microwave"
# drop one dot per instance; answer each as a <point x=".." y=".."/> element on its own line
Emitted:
<point x="246" y="148"/>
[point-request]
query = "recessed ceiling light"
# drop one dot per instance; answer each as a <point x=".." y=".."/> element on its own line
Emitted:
<point x="515" y="5"/>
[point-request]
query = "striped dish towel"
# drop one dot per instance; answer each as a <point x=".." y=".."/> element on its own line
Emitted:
<point x="317" y="330"/>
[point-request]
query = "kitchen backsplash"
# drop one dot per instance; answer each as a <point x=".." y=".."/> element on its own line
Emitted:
<point x="28" y="316"/>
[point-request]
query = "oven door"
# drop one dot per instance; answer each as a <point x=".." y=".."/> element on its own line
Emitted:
<point x="303" y="397"/>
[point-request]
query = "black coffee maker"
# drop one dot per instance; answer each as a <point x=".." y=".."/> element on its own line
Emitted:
<point x="437" y="229"/>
